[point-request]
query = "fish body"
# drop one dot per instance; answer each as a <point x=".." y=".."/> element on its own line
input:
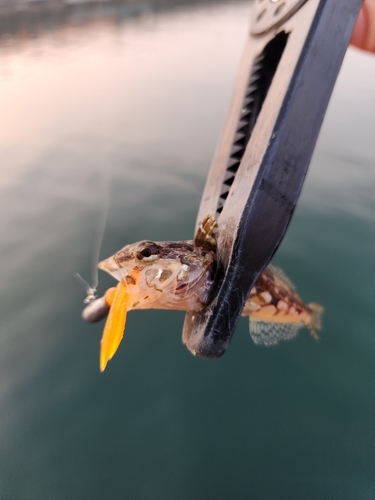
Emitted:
<point x="276" y="311"/>
<point x="180" y="275"/>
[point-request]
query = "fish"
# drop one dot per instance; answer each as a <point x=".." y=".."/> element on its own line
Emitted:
<point x="180" y="274"/>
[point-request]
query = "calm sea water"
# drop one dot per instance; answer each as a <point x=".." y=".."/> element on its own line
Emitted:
<point x="145" y="96"/>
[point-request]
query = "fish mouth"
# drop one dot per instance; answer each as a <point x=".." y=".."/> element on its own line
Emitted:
<point x="111" y="267"/>
<point x="108" y="265"/>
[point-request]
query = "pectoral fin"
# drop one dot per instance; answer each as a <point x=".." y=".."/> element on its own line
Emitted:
<point x="270" y="332"/>
<point x="115" y="325"/>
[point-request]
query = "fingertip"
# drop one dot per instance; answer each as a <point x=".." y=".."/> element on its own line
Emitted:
<point x="363" y="35"/>
<point x="359" y="33"/>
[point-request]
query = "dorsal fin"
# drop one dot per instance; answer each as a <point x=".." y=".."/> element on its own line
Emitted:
<point x="277" y="271"/>
<point x="205" y="235"/>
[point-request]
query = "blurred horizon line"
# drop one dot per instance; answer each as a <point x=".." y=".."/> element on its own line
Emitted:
<point x="33" y="16"/>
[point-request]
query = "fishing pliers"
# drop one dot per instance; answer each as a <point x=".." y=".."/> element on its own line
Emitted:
<point x="290" y="64"/>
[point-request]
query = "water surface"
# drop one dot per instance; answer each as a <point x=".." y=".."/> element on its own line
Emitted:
<point x="145" y="95"/>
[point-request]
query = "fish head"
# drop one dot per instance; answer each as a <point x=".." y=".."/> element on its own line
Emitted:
<point x="161" y="274"/>
<point x="164" y="275"/>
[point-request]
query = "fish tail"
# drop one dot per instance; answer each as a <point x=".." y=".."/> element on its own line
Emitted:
<point x="315" y="323"/>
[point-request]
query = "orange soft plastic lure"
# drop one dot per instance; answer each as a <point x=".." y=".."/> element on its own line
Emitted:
<point x="118" y="301"/>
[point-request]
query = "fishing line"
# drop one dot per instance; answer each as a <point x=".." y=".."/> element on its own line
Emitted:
<point x="101" y="224"/>
<point x="105" y="189"/>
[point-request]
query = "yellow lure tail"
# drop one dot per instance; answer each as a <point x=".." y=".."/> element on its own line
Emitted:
<point x="118" y="300"/>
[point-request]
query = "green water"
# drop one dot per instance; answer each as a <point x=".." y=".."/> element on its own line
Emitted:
<point x="146" y="96"/>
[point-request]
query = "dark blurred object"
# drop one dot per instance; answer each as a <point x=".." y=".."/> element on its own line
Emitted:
<point x="11" y="6"/>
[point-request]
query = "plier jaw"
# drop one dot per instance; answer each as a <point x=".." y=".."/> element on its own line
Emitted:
<point x="290" y="64"/>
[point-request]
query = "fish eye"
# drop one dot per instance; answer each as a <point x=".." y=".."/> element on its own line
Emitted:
<point x="147" y="251"/>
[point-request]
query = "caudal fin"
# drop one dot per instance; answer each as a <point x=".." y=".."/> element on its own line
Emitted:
<point x="315" y="323"/>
